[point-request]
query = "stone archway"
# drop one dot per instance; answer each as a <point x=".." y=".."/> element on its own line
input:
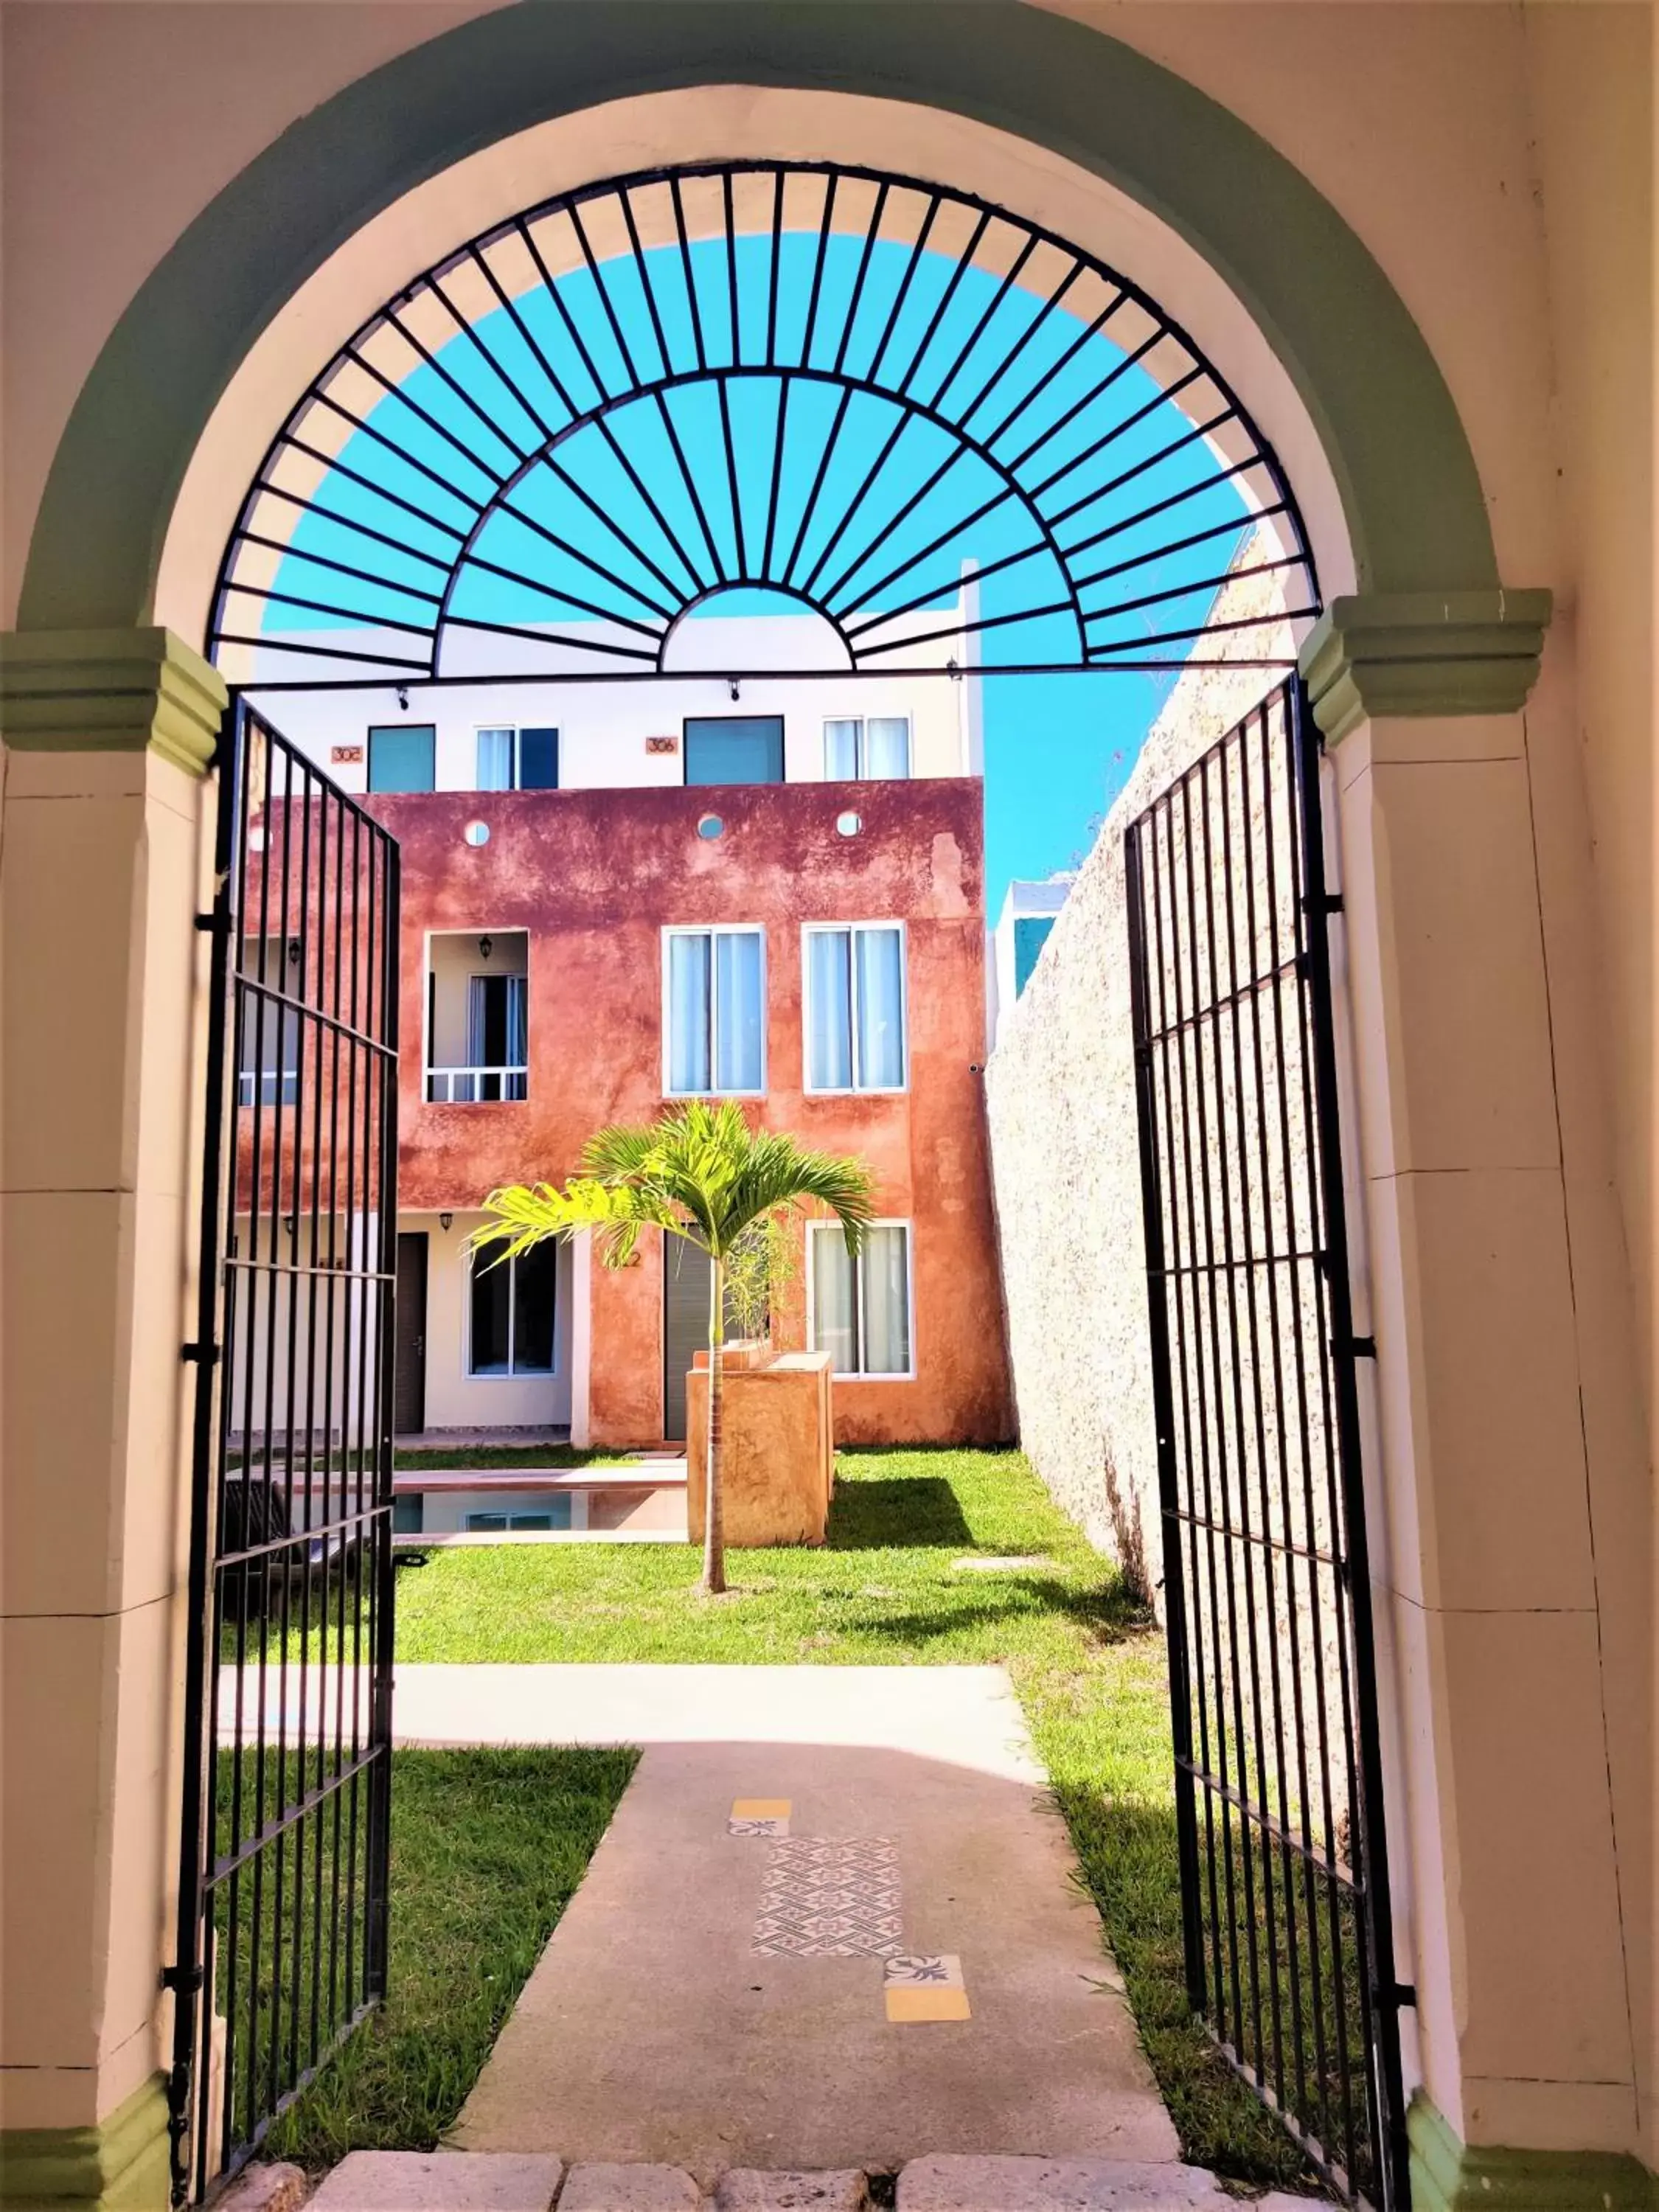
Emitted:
<point x="1432" y="638"/>
<point x="1410" y="497"/>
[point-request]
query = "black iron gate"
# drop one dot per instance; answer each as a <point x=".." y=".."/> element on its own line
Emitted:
<point x="1286" y="1917"/>
<point x="283" y="1872"/>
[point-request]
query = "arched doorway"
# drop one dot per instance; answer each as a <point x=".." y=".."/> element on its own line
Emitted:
<point x="649" y="425"/>
<point x="98" y="594"/>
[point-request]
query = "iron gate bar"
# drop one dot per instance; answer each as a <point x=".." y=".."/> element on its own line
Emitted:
<point x="634" y="295"/>
<point x="284" y="1838"/>
<point x="1286" y="1917"/>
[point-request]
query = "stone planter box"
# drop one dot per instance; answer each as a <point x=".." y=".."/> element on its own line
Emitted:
<point x="778" y="1454"/>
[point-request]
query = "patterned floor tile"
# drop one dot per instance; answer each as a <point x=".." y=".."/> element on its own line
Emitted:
<point x="831" y="1898"/>
<point x="759" y="1816"/>
<point x="925" y="1985"/>
<point x="937" y="1969"/>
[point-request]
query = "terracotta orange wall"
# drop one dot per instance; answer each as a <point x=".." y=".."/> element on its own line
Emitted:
<point x="594" y="876"/>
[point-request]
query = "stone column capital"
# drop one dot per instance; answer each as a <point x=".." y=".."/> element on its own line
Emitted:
<point x="1423" y="652"/>
<point x="110" y="690"/>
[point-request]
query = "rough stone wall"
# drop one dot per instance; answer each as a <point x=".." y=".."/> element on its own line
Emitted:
<point x="1065" y="1151"/>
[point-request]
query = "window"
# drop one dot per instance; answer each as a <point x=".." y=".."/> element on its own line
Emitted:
<point x="518" y="760"/>
<point x="513" y="1311"/>
<point x="497" y="1040"/>
<point x="269" y="1074"/>
<point x="714" y="1020"/>
<point x="556" y="1514"/>
<point x="856" y="750"/>
<point x="856" y="1018"/>
<point x="861" y="1309"/>
<point x="734" y="749"/>
<point x="402" y="758"/>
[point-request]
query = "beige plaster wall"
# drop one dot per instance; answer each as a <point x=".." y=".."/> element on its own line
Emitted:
<point x="1061" y="1107"/>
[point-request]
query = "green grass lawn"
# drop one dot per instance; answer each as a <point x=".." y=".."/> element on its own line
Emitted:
<point x="1086" y="1658"/>
<point x="487" y="1849"/>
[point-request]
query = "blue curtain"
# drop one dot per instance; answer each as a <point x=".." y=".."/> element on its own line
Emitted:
<point x="879" y="954"/>
<point x="739" y="1024"/>
<point x="841" y="751"/>
<point x="830" y="1010"/>
<point x="688" y="1013"/>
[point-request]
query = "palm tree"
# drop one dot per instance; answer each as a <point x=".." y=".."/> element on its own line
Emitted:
<point x="701" y="1172"/>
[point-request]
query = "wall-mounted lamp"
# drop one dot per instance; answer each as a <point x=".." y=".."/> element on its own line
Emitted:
<point x="446" y="1222"/>
<point x="486" y="947"/>
<point x="403" y="699"/>
<point x="733" y="686"/>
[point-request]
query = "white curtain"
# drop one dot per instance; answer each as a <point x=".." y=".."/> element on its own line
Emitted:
<point x="738" y="1013"/>
<point x="465" y="1089"/>
<point x="879" y="954"/>
<point x="518" y="1036"/>
<point x="833" y="1329"/>
<point x="495" y="760"/>
<point x="885" y="1282"/>
<point x="688" y="1013"/>
<point x="841" y="751"/>
<point x="887" y="745"/>
<point x="830" y="1010"/>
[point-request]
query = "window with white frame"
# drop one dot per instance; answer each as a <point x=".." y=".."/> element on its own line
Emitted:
<point x="556" y="1514"/>
<point x="515" y="759"/>
<point x="856" y="1027"/>
<point x="512" y="1313"/>
<point x="270" y="1071"/>
<point x="714" y="1012"/>
<point x="863" y="749"/>
<point x="861" y="1308"/>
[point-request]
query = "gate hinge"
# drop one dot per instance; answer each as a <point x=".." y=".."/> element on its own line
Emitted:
<point x="1405" y="1993"/>
<point x="200" y="1354"/>
<point x="215" y="923"/>
<point x="184" y="1981"/>
<point x="1327" y="902"/>
<point x="1356" y="1347"/>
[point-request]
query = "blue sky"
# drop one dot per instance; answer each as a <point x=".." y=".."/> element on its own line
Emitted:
<point x="867" y="500"/>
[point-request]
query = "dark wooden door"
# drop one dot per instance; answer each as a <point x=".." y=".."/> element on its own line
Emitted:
<point x="409" y="1390"/>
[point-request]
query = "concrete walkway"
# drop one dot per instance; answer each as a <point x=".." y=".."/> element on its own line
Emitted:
<point x="833" y="1924"/>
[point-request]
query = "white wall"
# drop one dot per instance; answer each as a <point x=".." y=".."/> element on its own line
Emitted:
<point x="454" y="1399"/>
<point x="603" y="727"/>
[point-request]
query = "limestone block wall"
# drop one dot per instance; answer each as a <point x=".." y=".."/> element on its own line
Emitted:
<point x="1065" y="1151"/>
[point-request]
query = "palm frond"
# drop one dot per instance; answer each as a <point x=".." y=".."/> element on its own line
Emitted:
<point x="701" y="1171"/>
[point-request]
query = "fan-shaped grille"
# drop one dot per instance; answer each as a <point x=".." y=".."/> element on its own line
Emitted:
<point x="842" y="389"/>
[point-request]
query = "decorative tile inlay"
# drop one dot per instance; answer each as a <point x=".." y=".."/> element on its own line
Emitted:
<point x="925" y="1985"/>
<point x="830" y="1899"/>
<point x="759" y="1816"/>
<point x="938" y="1970"/>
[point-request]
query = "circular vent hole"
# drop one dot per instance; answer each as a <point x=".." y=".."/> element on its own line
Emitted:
<point x="849" y="823"/>
<point x="710" y="825"/>
<point x="476" y="833"/>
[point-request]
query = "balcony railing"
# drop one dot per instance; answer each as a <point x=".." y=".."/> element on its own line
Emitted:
<point x="474" y="1086"/>
<point x="269" y="1086"/>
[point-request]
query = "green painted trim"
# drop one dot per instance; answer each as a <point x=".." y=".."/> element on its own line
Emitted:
<point x="1410" y="491"/>
<point x="1427" y="652"/>
<point x="1450" y="2175"/>
<point x="121" y="2164"/>
<point x="110" y="690"/>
